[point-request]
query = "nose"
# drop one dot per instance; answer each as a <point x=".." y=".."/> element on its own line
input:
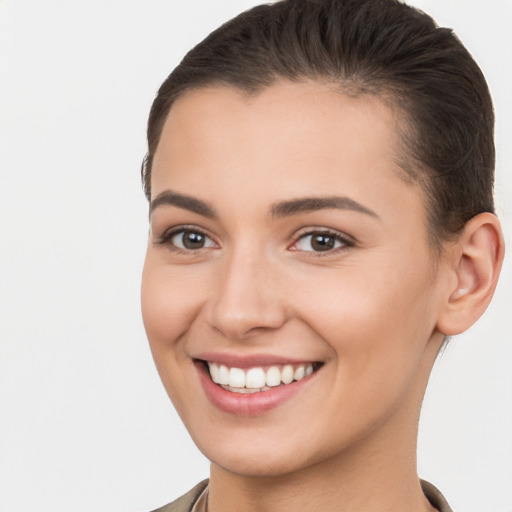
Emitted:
<point x="248" y="298"/>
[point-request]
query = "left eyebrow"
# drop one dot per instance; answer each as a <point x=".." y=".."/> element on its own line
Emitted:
<point x="311" y="204"/>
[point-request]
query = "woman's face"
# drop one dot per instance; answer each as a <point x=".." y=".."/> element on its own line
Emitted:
<point x="283" y="240"/>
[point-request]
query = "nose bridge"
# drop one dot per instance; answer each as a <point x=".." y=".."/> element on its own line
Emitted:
<point x="247" y="296"/>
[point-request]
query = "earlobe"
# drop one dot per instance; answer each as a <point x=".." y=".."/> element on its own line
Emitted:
<point x="475" y="264"/>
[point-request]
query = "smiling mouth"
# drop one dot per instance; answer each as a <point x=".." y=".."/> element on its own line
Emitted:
<point x="258" y="379"/>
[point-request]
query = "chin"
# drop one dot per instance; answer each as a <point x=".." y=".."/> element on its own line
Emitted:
<point x="247" y="452"/>
<point x="264" y="455"/>
<point x="257" y="466"/>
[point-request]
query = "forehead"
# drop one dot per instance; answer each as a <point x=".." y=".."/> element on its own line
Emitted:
<point x="285" y="115"/>
<point x="286" y="140"/>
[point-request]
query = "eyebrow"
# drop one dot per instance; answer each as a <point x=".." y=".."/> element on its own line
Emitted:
<point x="168" y="197"/>
<point x="311" y="204"/>
<point x="278" y="210"/>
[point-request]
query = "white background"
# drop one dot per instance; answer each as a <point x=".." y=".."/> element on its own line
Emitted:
<point x="85" y="423"/>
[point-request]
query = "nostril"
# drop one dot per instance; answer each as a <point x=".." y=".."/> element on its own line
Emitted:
<point x="245" y="302"/>
<point x="240" y="324"/>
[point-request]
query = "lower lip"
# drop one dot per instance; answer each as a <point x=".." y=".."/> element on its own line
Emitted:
<point x="248" y="404"/>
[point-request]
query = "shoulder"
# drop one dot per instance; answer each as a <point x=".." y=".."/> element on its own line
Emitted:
<point x="185" y="502"/>
<point x="435" y="497"/>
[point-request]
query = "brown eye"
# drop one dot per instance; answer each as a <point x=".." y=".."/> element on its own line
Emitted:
<point x="320" y="242"/>
<point x="191" y="240"/>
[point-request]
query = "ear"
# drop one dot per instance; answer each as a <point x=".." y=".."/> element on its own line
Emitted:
<point x="474" y="263"/>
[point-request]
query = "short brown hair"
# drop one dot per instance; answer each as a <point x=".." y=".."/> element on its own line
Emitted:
<point x="380" y="47"/>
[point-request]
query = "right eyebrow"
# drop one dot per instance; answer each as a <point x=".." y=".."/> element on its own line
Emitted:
<point x="168" y="197"/>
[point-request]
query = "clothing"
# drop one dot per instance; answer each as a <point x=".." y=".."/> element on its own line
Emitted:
<point x="185" y="502"/>
<point x="195" y="499"/>
<point x="433" y="494"/>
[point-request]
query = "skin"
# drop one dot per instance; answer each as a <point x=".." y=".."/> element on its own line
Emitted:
<point x="374" y="311"/>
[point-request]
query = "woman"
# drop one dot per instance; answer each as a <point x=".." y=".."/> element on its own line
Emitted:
<point x="320" y="181"/>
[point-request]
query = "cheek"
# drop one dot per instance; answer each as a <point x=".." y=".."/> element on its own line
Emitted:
<point x="169" y="299"/>
<point x="375" y="322"/>
<point x="377" y="336"/>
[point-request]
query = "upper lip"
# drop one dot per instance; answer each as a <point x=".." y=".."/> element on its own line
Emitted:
<point x="250" y="360"/>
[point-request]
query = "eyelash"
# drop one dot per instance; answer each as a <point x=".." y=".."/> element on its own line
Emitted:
<point x="346" y="241"/>
<point x="168" y="235"/>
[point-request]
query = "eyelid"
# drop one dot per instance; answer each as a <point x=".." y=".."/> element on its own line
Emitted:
<point x="171" y="232"/>
<point x="347" y="240"/>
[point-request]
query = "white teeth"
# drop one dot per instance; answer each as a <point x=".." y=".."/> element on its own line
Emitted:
<point x="244" y="391"/>
<point x="300" y="372"/>
<point x="273" y="376"/>
<point x="223" y="375"/>
<point x="256" y="379"/>
<point x="214" y="371"/>
<point x="287" y="374"/>
<point x="236" y="378"/>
